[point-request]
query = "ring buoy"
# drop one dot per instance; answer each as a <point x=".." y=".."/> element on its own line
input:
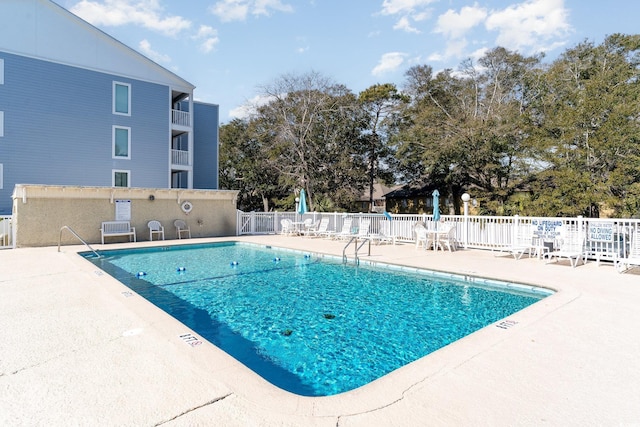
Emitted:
<point x="186" y="207"/>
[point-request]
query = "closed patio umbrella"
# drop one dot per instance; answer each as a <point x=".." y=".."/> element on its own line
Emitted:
<point x="302" y="205"/>
<point x="436" y="205"/>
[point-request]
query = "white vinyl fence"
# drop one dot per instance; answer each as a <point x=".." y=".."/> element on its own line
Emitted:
<point x="605" y="239"/>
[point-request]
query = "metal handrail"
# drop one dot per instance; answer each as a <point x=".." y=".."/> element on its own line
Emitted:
<point x="357" y="259"/>
<point x="78" y="237"/>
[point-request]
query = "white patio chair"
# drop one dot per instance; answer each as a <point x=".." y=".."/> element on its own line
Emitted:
<point x="287" y="227"/>
<point x="310" y="226"/>
<point x="182" y="228"/>
<point x="321" y="229"/>
<point x="345" y="231"/>
<point x="363" y="229"/>
<point x="633" y="257"/>
<point x="523" y="243"/>
<point x="384" y="234"/>
<point x="155" y="228"/>
<point x="422" y="236"/>
<point x="571" y="248"/>
<point x="447" y="237"/>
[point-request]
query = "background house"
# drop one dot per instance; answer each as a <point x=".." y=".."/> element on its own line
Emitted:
<point x="77" y="107"/>
<point x="415" y="199"/>
<point x="379" y="191"/>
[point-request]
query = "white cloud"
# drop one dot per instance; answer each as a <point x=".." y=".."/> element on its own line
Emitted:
<point x="146" y="13"/>
<point x="529" y="24"/>
<point x="230" y="10"/>
<point x="405" y="25"/>
<point x="455" y="25"/>
<point x="208" y="38"/>
<point x="250" y="107"/>
<point x="388" y="62"/>
<point x="409" y="11"/>
<point x="237" y="10"/>
<point x="533" y="25"/>
<point x="261" y="7"/>
<point x="145" y="48"/>
<point x="395" y="7"/>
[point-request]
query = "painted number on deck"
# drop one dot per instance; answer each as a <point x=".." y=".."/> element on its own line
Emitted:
<point x="505" y="324"/>
<point x="191" y="340"/>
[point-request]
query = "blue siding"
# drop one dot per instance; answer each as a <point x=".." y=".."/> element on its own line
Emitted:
<point x="205" y="146"/>
<point x="58" y="127"/>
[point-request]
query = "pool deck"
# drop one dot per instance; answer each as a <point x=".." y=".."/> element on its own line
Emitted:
<point x="79" y="348"/>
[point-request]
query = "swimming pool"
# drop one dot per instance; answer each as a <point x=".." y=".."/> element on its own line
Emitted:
<point x="310" y="324"/>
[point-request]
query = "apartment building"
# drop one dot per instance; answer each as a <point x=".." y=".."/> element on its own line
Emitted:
<point x="78" y="107"/>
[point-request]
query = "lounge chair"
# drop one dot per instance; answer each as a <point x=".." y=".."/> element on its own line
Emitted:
<point x="633" y="257"/>
<point x="320" y="230"/>
<point x="363" y="229"/>
<point x="309" y="226"/>
<point x="384" y="234"/>
<point x="523" y="243"/>
<point x="345" y="231"/>
<point x="571" y="248"/>
<point x="182" y="228"/>
<point x="155" y="228"/>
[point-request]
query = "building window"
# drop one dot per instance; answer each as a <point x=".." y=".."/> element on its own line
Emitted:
<point x="121" y="98"/>
<point x="180" y="179"/>
<point x="121" y="178"/>
<point x="1" y="71"/>
<point x="1" y="123"/>
<point x="1" y="177"/>
<point x="121" y="143"/>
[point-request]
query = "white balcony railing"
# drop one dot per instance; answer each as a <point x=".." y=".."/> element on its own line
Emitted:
<point x="6" y="232"/>
<point x="180" y="157"/>
<point x="181" y="118"/>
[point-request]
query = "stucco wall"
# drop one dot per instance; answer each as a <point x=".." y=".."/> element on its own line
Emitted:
<point x="41" y="211"/>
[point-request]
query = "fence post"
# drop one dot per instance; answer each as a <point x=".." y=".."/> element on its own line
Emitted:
<point x="465" y="200"/>
<point x="581" y="232"/>
<point x="275" y="222"/>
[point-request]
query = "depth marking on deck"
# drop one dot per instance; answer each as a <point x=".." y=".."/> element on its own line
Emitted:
<point x="506" y="324"/>
<point x="127" y="294"/>
<point x="190" y="339"/>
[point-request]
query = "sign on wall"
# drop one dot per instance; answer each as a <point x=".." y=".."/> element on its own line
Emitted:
<point x="123" y="210"/>
<point x="601" y="231"/>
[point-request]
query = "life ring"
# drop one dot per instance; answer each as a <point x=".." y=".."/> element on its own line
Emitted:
<point x="186" y="207"/>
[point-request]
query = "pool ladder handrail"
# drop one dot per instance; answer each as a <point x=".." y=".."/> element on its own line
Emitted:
<point x="355" y="238"/>
<point x="78" y="237"/>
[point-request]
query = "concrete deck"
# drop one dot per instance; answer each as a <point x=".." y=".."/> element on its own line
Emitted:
<point x="78" y="348"/>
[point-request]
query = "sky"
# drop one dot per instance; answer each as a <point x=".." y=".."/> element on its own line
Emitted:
<point x="229" y="49"/>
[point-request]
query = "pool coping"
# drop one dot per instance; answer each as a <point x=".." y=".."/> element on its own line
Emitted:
<point x="492" y="375"/>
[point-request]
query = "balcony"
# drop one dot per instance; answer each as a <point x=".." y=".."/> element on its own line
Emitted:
<point x="181" y="118"/>
<point x="180" y="158"/>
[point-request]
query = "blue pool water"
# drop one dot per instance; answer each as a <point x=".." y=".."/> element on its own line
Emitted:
<point x="310" y="325"/>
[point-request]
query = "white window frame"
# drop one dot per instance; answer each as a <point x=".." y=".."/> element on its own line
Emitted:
<point x="113" y="143"/>
<point x="1" y="124"/>
<point x="116" y="84"/>
<point x="1" y="176"/>
<point x="1" y="71"/>
<point x="113" y="177"/>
